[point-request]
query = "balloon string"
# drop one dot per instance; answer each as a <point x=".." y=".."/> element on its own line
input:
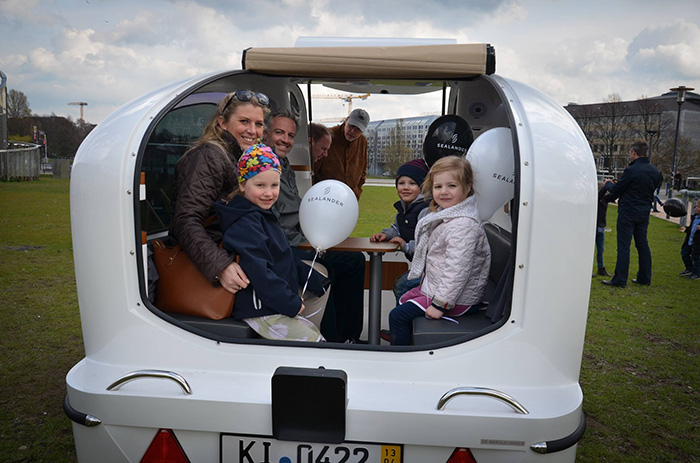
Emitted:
<point x="308" y="277"/>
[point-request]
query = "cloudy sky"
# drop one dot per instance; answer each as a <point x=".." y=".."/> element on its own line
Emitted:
<point x="107" y="52"/>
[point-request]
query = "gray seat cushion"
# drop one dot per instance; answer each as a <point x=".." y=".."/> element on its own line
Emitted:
<point x="227" y="328"/>
<point x="436" y="331"/>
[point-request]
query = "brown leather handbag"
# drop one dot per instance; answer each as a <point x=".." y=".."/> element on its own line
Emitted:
<point x="183" y="289"/>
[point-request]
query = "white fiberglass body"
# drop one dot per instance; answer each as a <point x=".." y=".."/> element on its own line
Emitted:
<point x="208" y="390"/>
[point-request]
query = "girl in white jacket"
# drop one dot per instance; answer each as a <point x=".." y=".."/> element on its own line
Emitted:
<point x="452" y="253"/>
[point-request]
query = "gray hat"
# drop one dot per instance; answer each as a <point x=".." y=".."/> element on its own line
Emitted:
<point x="359" y="118"/>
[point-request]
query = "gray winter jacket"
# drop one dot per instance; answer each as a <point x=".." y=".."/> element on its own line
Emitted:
<point x="452" y="255"/>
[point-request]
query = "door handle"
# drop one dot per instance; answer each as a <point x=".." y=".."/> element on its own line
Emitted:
<point x="481" y="391"/>
<point x="182" y="382"/>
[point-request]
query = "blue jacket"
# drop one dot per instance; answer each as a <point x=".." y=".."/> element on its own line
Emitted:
<point x="265" y="256"/>
<point x="407" y="216"/>
<point x="635" y="188"/>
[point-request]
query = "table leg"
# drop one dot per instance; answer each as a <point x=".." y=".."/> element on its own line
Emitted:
<point x="375" y="296"/>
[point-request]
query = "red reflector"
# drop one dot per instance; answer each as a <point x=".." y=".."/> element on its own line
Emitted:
<point x="165" y="449"/>
<point x="462" y="455"/>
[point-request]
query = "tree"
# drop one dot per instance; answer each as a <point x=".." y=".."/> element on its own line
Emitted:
<point x="651" y="114"/>
<point x="17" y="105"/>
<point x="63" y="135"/>
<point x="612" y="127"/>
<point x="687" y="158"/>
<point x="397" y="151"/>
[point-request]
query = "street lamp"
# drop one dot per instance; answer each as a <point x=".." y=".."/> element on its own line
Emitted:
<point x="680" y="98"/>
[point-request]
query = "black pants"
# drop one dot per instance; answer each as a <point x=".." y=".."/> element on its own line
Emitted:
<point x="344" y="313"/>
<point x="629" y="226"/>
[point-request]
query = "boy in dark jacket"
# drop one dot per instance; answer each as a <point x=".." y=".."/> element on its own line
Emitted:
<point x="601" y="223"/>
<point x="409" y="179"/>
<point x="690" y="250"/>
<point x="270" y="304"/>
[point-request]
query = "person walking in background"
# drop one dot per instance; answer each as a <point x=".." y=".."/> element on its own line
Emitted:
<point x="635" y="191"/>
<point x="677" y="180"/>
<point x="601" y="223"/>
<point x="690" y="250"/>
<point x="347" y="156"/>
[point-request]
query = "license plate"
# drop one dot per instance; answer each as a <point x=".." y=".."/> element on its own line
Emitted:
<point x="252" y="449"/>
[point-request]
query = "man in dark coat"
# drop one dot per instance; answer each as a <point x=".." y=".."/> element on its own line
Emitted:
<point x="635" y="191"/>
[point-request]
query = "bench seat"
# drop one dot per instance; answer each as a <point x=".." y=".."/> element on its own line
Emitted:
<point x="226" y="328"/>
<point x="427" y="331"/>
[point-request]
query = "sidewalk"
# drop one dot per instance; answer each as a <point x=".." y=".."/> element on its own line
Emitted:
<point x="662" y="215"/>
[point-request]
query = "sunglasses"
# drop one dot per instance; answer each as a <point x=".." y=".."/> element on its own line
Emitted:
<point x="247" y="95"/>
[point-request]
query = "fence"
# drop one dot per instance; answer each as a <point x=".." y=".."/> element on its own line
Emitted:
<point x="20" y="163"/>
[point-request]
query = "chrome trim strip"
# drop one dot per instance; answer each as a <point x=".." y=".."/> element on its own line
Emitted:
<point x="481" y="391"/>
<point x="79" y="417"/>
<point x="547" y="447"/>
<point x="182" y="382"/>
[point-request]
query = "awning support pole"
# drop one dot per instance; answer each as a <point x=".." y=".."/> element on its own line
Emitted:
<point x="444" y="96"/>
<point x="308" y="97"/>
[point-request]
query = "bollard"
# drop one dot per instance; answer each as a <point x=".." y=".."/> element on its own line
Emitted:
<point x="689" y="197"/>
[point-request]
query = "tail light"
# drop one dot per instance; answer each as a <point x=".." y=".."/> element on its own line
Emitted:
<point x="165" y="449"/>
<point x="462" y="455"/>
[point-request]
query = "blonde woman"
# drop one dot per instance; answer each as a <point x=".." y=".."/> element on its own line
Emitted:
<point x="206" y="174"/>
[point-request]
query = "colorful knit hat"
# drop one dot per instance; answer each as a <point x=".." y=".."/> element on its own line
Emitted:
<point x="257" y="159"/>
<point x="416" y="169"/>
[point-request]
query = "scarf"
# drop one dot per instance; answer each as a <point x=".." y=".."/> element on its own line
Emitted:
<point x="466" y="208"/>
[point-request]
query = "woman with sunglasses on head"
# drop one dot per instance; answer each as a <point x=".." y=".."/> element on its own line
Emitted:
<point x="207" y="173"/>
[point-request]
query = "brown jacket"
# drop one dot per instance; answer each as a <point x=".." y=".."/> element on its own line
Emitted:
<point x="346" y="161"/>
<point x="202" y="177"/>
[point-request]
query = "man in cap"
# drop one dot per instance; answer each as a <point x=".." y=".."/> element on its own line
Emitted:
<point x="347" y="156"/>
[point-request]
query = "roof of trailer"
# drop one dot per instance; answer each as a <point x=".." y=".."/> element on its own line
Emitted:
<point x="392" y="62"/>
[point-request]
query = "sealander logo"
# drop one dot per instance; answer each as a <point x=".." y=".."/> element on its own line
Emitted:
<point x="325" y="198"/>
<point x="461" y="149"/>
<point x="504" y="178"/>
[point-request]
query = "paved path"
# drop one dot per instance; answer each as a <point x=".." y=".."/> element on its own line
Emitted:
<point x="380" y="182"/>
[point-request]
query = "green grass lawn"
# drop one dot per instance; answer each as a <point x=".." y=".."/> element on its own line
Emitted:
<point x="640" y="371"/>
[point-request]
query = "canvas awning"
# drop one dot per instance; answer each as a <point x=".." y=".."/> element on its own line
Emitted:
<point x="396" y="62"/>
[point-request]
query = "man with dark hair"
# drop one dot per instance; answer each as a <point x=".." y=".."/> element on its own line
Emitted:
<point x="635" y="191"/>
<point x="343" y="318"/>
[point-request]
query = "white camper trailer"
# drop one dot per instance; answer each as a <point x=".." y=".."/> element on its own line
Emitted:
<point x="501" y="386"/>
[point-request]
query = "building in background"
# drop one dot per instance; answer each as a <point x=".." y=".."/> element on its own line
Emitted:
<point x="391" y="142"/>
<point x="613" y="125"/>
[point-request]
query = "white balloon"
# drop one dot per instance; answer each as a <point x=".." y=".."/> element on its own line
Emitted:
<point x="491" y="156"/>
<point x="328" y="213"/>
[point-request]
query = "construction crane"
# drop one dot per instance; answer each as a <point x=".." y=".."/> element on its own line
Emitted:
<point x="346" y="98"/>
<point x="81" y="104"/>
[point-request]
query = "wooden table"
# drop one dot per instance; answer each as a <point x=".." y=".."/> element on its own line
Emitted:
<point x="375" y="251"/>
